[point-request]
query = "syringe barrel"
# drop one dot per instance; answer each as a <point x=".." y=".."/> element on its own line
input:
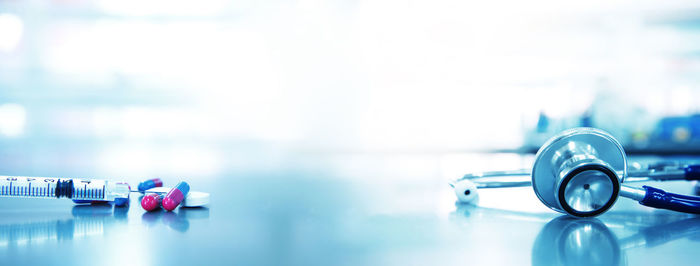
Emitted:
<point x="50" y="187"/>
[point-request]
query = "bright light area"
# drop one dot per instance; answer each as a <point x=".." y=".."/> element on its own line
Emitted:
<point x="13" y="118"/>
<point x="144" y="160"/>
<point x="440" y="75"/>
<point x="11" y="29"/>
<point x="164" y="7"/>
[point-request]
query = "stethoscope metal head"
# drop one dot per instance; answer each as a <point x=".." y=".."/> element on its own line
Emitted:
<point x="579" y="172"/>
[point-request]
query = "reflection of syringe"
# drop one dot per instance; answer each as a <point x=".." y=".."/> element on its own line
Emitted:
<point x="86" y="221"/>
<point x="80" y="190"/>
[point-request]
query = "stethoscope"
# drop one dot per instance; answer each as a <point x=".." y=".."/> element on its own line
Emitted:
<point x="580" y="172"/>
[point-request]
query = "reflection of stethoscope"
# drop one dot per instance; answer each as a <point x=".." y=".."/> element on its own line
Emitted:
<point x="568" y="241"/>
<point x="580" y="172"/>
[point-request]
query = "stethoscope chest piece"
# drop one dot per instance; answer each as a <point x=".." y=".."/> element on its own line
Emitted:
<point x="579" y="172"/>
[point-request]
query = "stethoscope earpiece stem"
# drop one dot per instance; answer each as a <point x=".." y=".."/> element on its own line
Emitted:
<point x="657" y="198"/>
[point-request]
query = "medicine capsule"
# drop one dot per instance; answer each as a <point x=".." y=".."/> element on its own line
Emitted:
<point x="151" y="201"/>
<point x="149" y="184"/>
<point x="175" y="196"/>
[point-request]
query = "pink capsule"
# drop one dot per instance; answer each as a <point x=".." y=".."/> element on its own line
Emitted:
<point x="151" y="201"/>
<point x="175" y="196"/>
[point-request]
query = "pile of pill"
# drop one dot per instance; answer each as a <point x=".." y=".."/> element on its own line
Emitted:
<point x="155" y="199"/>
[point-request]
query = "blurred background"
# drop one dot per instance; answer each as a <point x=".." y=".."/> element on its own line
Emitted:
<point x="125" y="87"/>
<point x="325" y="131"/>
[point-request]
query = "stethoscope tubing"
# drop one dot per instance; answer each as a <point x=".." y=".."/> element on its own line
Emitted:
<point x="646" y="195"/>
<point x="688" y="172"/>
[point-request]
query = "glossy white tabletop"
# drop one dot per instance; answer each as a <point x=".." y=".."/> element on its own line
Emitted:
<point x="346" y="209"/>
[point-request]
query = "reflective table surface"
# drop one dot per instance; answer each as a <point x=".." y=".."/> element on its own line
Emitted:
<point x="306" y="208"/>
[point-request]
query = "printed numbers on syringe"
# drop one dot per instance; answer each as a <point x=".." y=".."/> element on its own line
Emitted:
<point x="27" y="186"/>
<point x="46" y="187"/>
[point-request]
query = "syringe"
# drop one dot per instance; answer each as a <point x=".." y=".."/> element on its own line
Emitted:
<point x="80" y="190"/>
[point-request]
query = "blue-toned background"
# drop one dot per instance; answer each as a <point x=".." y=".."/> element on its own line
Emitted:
<point x="326" y="130"/>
